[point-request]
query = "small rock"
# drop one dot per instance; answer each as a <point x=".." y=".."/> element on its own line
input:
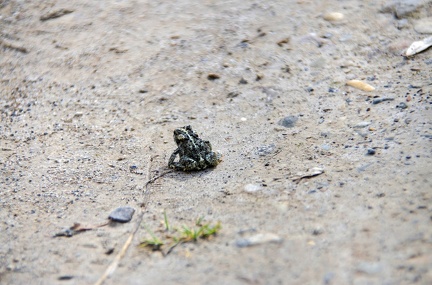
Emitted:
<point x="418" y="46"/>
<point x="423" y="26"/>
<point x="288" y="122"/>
<point x="265" y="149"/>
<point x="371" y="151"/>
<point x="360" y="85"/>
<point x="402" y="105"/>
<point x="55" y="14"/>
<point x="333" y="16"/>
<point x="65" y="277"/>
<point x="122" y="214"/>
<point x="259" y="239"/>
<point x="362" y="125"/>
<point x="243" y="81"/>
<point x="252" y="188"/>
<point x="325" y="147"/>
<point x="404" y="8"/>
<point x="233" y="94"/>
<point x="213" y="76"/>
<point x="312" y="172"/>
<point x="379" y="100"/>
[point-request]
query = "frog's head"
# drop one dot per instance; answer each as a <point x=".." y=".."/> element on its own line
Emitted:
<point x="182" y="134"/>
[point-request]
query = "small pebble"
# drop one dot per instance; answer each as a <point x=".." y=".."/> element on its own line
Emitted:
<point x="243" y="81"/>
<point x="65" y="277"/>
<point x="213" y="76"/>
<point x="252" y="188"/>
<point x="233" y="94"/>
<point x="404" y="8"/>
<point x="402" y="105"/>
<point x="259" y="239"/>
<point x="333" y="16"/>
<point x="418" y="46"/>
<point x="265" y="149"/>
<point x="362" y="125"/>
<point x="379" y="100"/>
<point x="122" y="214"/>
<point x="371" y="151"/>
<point x="288" y="122"/>
<point x="325" y="147"/>
<point x="360" y="85"/>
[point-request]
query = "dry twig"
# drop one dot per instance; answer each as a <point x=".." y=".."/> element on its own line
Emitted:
<point x="113" y="266"/>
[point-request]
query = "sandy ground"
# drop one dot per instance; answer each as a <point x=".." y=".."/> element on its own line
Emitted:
<point x="90" y="99"/>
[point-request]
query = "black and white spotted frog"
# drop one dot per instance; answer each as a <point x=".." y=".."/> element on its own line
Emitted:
<point x="194" y="153"/>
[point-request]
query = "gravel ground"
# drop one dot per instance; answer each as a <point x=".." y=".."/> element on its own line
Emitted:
<point x="320" y="182"/>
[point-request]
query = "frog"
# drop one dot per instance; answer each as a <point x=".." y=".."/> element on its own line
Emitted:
<point x="194" y="153"/>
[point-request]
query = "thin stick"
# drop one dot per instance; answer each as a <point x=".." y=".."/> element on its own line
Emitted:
<point x="113" y="266"/>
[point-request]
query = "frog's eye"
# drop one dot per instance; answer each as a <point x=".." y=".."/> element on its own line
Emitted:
<point x="181" y="137"/>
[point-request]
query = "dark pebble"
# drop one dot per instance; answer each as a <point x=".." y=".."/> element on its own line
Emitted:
<point x="243" y="81"/>
<point x="379" y="100"/>
<point x="233" y="94"/>
<point x="411" y="86"/>
<point x="213" y="76"/>
<point x="288" y="122"/>
<point x="65" y="277"/>
<point x="402" y="105"/>
<point x="371" y="151"/>
<point x="122" y="214"/>
<point x="332" y="90"/>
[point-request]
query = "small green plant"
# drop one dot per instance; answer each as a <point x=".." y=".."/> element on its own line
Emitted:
<point x="167" y="227"/>
<point x="200" y="231"/>
<point x="175" y="236"/>
<point x="154" y="242"/>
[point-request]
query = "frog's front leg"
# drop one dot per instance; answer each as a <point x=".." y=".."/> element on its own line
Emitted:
<point x="171" y="163"/>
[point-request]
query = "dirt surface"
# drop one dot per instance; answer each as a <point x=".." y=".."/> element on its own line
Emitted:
<point x="91" y="92"/>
